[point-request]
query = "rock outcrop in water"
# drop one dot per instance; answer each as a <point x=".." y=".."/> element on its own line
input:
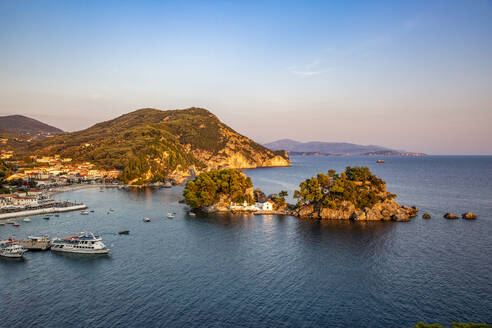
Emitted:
<point x="469" y="216"/>
<point x="426" y="216"/>
<point x="355" y="194"/>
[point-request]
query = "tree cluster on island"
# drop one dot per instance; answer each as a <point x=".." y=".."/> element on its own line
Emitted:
<point x="355" y="194"/>
<point x="218" y="187"/>
<point x="356" y="185"/>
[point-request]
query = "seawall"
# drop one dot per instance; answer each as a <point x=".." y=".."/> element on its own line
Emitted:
<point x="43" y="211"/>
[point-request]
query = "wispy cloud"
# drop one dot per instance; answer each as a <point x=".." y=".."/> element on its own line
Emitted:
<point x="311" y="69"/>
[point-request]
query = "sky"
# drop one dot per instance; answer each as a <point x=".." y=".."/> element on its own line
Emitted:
<point x="412" y="75"/>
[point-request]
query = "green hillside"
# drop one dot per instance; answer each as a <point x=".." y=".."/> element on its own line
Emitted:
<point x="150" y="144"/>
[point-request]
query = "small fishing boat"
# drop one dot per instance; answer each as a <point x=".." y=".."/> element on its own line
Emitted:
<point x="2" y="223"/>
<point x="57" y="215"/>
<point x="16" y="224"/>
<point x="10" y="221"/>
<point x="92" y="211"/>
<point x="111" y="210"/>
<point x="46" y="218"/>
<point x="26" y="220"/>
<point x="170" y="215"/>
<point x="380" y="161"/>
<point x="191" y="214"/>
<point x="124" y="232"/>
<point x="146" y="220"/>
<point x="84" y="213"/>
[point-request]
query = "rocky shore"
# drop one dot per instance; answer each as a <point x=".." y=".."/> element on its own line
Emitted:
<point x="388" y="210"/>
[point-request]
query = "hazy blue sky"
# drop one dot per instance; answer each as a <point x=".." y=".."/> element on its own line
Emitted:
<point x="414" y="75"/>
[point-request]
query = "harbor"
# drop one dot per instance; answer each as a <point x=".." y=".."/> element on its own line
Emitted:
<point x="22" y="204"/>
<point x="59" y="208"/>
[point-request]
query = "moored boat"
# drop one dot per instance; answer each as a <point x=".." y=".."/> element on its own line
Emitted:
<point x="146" y="220"/>
<point x="11" y="249"/>
<point x="84" y="243"/>
<point x="124" y="232"/>
<point x="170" y="215"/>
<point x="46" y="218"/>
<point x="36" y="243"/>
<point x="380" y="161"/>
<point x="84" y="213"/>
<point x="26" y="220"/>
<point x="10" y="221"/>
<point x="16" y="224"/>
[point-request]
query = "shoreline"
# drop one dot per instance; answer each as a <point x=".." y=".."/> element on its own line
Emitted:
<point x="60" y="190"/>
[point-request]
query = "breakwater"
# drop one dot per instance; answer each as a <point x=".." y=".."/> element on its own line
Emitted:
<point x="46" y="210"/>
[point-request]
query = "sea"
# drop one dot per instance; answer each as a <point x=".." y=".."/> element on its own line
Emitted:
<point x="221" y="270"/>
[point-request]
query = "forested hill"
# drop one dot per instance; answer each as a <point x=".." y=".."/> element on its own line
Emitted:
<point x="151" y="144"/>
<point x="26" y="126"/>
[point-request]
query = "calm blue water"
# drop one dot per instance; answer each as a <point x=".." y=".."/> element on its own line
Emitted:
<point x="266" y="271"/>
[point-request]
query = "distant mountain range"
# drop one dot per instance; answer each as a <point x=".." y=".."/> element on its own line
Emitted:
<point x="23" y="126"/>
<point x="319" y="148"/>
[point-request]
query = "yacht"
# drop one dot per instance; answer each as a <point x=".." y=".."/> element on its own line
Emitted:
<point x="10" y="248"/>
<point x="84" y="243"/>
<point x="36" y="243"/>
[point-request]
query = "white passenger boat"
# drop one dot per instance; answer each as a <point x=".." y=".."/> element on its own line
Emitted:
<point x="10" y="248"/>
<point x="84" y="243"/>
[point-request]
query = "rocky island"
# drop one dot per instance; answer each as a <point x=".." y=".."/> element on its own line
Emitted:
<point x="355" y="194"/>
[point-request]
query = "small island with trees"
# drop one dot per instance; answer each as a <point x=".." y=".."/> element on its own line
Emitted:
<point x="355" y="194"/>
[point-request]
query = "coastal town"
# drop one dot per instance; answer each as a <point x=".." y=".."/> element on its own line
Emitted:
<point x="27" y="185"/>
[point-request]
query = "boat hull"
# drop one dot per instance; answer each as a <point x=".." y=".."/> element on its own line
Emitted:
<point x="80" y="251"/>
<point x="12" y="255"/>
